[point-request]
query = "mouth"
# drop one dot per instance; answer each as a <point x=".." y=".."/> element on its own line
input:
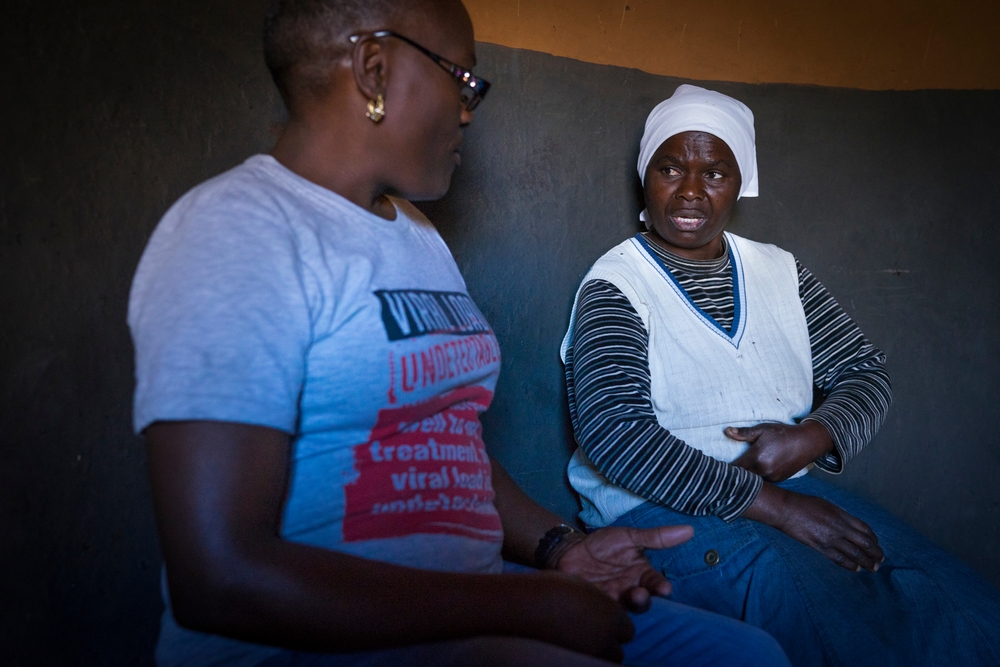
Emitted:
<point x="458" y="157"/>
<point x="688" y="222"/>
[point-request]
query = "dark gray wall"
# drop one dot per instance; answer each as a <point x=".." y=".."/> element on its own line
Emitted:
<point x="112" y="110"/>
<point x="890" y="198"/>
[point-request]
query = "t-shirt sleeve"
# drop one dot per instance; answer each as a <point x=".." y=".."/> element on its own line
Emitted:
<point x="220" y="317"/>
<point x="608" y="382"/>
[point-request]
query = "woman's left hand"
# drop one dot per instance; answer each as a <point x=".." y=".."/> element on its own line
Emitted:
<point x="613" y="559"/>
<point x="778" y="451"/>
<point x="816" y="522"/>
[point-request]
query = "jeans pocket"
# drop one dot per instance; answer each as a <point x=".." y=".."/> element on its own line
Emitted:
<point x="715" y="544"/>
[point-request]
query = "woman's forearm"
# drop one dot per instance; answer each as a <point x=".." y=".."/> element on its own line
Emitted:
<point x="607" y="376"/>
<point x="218" y="491"/>
<point x="311" y="599"/>
<point x="817" y="523"/>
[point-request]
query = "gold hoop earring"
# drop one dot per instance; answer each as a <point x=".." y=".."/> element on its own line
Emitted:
<point x="376" y="108"/>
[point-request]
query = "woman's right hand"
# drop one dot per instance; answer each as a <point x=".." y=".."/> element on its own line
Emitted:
<point x="572" y="613"/>
<point x="818" y="523"/>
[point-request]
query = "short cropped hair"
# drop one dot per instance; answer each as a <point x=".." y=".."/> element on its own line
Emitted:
<point x="304" y="38"/>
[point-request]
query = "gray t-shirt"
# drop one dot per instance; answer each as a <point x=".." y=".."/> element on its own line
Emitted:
<point x="263" y="298"/>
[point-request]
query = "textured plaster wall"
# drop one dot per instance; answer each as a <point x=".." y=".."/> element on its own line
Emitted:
<point x="869" y="44"/>
<point x="112" y="109"/>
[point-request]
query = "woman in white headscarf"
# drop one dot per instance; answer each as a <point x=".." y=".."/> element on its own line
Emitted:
<point x="692" y="362"/>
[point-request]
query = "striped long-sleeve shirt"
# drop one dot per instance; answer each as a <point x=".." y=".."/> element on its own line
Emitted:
<point x="607" y="376"/>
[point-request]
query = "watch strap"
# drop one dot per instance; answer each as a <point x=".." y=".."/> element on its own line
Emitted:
<point x="548" y="550"/>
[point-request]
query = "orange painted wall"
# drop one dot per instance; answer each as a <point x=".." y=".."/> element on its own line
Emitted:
<point x="874" y="45"/>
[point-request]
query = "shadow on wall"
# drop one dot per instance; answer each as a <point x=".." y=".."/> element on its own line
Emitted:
<point x="887" y="197"/>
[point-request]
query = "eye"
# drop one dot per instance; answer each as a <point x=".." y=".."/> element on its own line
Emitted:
<point x="670" y="171"/>
<point x="714" y="175"/>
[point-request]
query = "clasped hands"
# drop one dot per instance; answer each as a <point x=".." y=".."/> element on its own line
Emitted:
<point x="775" y="453"/>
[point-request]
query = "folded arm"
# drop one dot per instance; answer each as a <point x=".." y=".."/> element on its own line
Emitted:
<point x="607" y="376"/>
<point x="609" y="386"/>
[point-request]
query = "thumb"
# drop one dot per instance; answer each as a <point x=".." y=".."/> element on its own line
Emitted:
<point x="663" y="537"/>
<point x="743" y="434"/>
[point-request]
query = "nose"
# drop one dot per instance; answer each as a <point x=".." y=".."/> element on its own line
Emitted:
<point x="466" y="117"/>
<point x="691" y="188"/>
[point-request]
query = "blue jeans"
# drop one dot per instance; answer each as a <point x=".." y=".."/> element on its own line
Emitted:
<point x="669" y="634"/>
<point x="922" y="607"/>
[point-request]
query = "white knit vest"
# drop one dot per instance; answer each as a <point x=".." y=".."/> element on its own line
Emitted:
<point x="704" y="379"/>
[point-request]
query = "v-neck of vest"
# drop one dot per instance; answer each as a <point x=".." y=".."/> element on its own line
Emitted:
<point x="735" y="333"/>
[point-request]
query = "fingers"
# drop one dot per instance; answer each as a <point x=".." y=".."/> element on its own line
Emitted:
<point x="748" y="459"/>
<point x="662" y="537"/>
<point x="744" y="433"/>
<point x="857" y="548"/>
<point x="866" y="537"/>
<point x="863" y="551"/>
<point x="851" y="557"/>
<point x="841" y="537"/>
<point x="861" y="544"/>
<point x="652" y="582"/>
<point x="637" y="600"/>
<point x="635" y="587"/>
<point x="613" y="560"/>
<point x="655" y="582"/>
<point x="840" y="557"/>
<point x="577" y="615"/>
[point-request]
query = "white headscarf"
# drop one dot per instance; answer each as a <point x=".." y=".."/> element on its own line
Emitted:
<point x="694" y="109"/>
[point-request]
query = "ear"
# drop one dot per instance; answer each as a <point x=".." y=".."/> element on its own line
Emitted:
<point x="370" y="66"/>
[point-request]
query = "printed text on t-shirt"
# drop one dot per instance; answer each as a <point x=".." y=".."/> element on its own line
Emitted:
<point x="408" y="313"/>
<point x="424" y="469"/>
